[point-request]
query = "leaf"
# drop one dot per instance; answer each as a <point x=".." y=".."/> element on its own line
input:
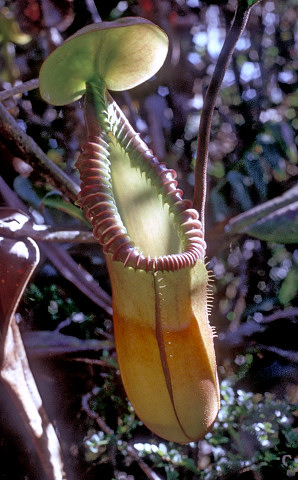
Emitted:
<point x="56" y="201"/>
<point x="272" y="155"/>
<point x="219" y="206"/>
<point x="285" y="137"/>
<point x="255" y="171"/>
<point x="123" y="53"/>
<point x="10" y="30"/>
<point x="288" y="289"/>
<point x="240" y="190"/>
<point x="25" y="191"/>
<point x="275" y="220"/>
<point x="280" y="226"/>
<point x="53" y="199"/>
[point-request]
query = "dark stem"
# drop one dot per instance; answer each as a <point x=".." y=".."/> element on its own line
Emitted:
<point x="238" y="26"/>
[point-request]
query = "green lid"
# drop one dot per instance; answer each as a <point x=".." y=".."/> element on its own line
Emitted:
<point x="123" y="53"/>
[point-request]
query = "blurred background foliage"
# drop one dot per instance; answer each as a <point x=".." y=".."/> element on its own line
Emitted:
<point x="253" y="159"/>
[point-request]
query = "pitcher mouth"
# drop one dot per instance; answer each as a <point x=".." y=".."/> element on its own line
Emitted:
<point x="97" y="197"/>
<point x="100" y="208"/>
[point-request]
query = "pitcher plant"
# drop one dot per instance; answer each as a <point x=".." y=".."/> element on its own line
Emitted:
<point x="152" y="238"/>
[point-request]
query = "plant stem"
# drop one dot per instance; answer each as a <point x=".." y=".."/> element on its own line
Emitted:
<point x="46" y="233"/>
<point x="238" y="26"/>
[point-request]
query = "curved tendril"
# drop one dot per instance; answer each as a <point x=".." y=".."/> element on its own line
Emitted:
<point x="105" y="120"/>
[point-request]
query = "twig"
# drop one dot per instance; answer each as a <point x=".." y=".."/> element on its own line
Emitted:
<point x="146" y="469"/>
<point x="46" y="233"/>
<point x="24" y="146"/>
<point x="289" y="355"/>
<point x="150" y="474"/>
<point x="21" y="88"/>
<point x="90" y="4"/>
<point x="100" y="422"/>
<point x="92" y="361"/>
<point x="200" y="191"/>
<point x="287" y="313"/>
<point x="242" y="334"/>
<point x="78" y="276"/>
<point x="42" y="344"/>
